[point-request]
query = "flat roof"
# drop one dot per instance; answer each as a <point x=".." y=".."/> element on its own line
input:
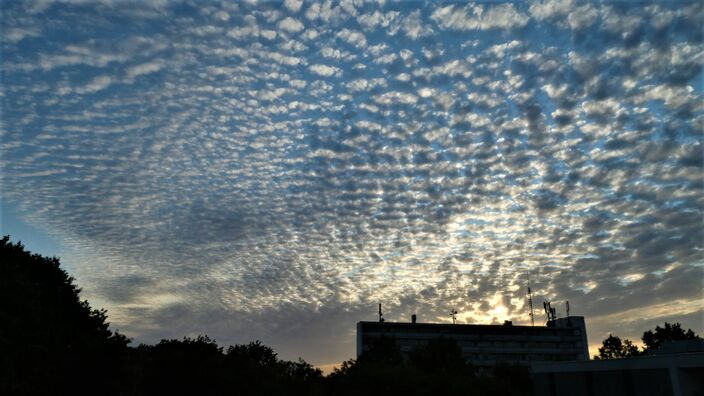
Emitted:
<point x="681" y="360"/>
<point x="450" y="328"/>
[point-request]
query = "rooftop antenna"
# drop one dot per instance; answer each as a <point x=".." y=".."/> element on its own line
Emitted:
<point x="549" y="311"/>
<point x="530" y="304"/>
<point x="453" y="315"/>
<point x="567" y="303"/>
<point x="381" y="315"/>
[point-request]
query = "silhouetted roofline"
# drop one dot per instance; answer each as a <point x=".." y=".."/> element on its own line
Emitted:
<point x="464" y="328"/>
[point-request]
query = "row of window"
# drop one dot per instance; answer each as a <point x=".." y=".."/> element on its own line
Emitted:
<point x="499" y="344"/>
<point x="507" y="357"/>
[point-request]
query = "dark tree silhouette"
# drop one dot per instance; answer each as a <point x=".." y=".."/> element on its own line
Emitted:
<point x="670" y="332"/>
<point x="440" y="355"/>
<point x="51" y="341"/>
<point x="255" y="353"/>
<point x="613" y="348"/>
<point x="382" y="350"/>
<point x="434" y="368"/>
<point x="259" y="371"/>
<point x="179" y="367"/>
<point x="198" y="366"/>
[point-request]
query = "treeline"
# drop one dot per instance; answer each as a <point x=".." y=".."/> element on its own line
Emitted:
<point x="437" y="368"/>
<point x="54" y="343"/>
<point x="614" y="348"/>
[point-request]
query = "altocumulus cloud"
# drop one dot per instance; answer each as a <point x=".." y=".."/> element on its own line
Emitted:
<point x="273" y="170"/>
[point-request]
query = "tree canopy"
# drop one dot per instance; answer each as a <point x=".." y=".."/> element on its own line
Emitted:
<point x="50" y="339"/>
<point x="53" y="342"/>
<point x="613" y="347"/>
<point x="653" y="339"/>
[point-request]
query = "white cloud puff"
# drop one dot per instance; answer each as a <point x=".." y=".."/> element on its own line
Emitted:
<point x="413" y="26"/>
<point x="582" y="17"/>
<point x="293" y="5"/>
<point x="547" y="9"/>
<point x="291" y="25"/>
<point x="353" y="37"/>
<point x="324" y="70"/>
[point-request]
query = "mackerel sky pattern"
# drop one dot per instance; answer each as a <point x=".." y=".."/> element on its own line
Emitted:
<point x="274" y="170"/>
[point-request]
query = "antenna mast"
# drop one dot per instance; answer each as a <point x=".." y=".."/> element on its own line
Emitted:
<point x="381" y="315"/>
<point x="530" y="304"/>
<point x="453" y="314"/>
<point x="549" y="311"/>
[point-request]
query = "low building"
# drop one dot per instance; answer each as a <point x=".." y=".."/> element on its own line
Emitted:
<point x="488" y="345"/>
<point x="668" y="374"/>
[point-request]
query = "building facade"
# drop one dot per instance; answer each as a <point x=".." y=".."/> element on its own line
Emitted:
<point x="488" y="345"/>
<point x="677" y="374"/>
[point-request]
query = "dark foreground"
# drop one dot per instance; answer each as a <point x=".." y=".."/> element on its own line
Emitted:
<point x="53" y="343"/>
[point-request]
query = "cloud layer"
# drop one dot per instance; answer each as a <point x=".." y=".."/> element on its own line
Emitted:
<point x="274" y="170"/>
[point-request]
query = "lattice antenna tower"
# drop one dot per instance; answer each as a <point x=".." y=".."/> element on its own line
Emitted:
<point x="530" y="304"/>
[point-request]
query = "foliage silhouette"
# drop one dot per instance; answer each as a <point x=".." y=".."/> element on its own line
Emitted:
<point x="613" y="348"/>
<point x="199" y="366"/>
<point x="179" y="367"/>
<point x="440" y="355"/>
<point x="382" y="350"/>
<point x="51" y="341"/>
<point x="670" y="332"/>
<point x="436" y="368"/>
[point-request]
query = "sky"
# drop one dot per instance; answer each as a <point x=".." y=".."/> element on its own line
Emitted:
<point x="274" y="170"/>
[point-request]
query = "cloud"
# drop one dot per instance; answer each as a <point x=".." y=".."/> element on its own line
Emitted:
<point x="15" y="35"/>
<point x="413" y="26"/>
<point x="386" y="59"/>
<point x="143" y="69"/>
<point x="365" y="85"/>
<point x="291" y="25"/>
<point x="95" y="85"/>
<point x="395" y="97"/>
<point x="379" y="19"/>
<point x="323" y="11"/>
<point x="476" y="17"/>
<point x="293" y="5"/>
<point x="582" y="17"/>
<point x="353" y="37"/>
<point x="542" y="10"/>
<point x="324" y="70"/>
